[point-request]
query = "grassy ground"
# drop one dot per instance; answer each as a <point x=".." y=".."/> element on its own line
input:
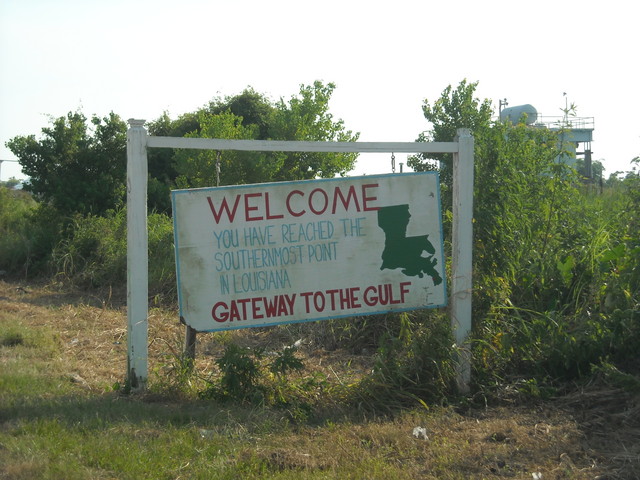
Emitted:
<point x="62" y="353"/>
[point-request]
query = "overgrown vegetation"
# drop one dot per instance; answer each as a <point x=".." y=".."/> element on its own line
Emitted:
<point x="556" y="262"/>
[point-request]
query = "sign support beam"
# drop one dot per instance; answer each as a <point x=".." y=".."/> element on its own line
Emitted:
<point x="462" y="264"/>
<point x="137" y="256"/>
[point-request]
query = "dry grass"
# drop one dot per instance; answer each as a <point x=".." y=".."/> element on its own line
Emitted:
<point x="610" y="420"/>
<point x="587" y="434"/>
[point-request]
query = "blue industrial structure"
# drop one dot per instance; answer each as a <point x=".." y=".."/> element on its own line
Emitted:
<point x="574" y="131"/>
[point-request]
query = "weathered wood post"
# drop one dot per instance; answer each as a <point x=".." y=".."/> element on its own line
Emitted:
<point x="190" y="340"/>
<point x="462" y="265"/>
<point x="137" y="256"/>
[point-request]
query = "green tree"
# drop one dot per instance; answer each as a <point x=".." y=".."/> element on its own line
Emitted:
<point x="254" y="108"/>
<point x="549" y="259"/>
<point x="242" y="116"/>
<point x="162" y="172"/>
<point x="597" y="169"/>
<point x="306" y="117"/>
<point x="454" y="109"/>
<point x="252" y="116"/>
<point x="74" y="167"/>
<point x="204" y="168"/>
<point x="11" y="183"/>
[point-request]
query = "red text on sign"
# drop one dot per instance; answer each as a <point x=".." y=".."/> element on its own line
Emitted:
<point x="260" y="206"/>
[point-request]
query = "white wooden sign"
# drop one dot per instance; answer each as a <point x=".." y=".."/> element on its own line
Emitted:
<point x="137" y="236"/>
<point x="265" y="254"/>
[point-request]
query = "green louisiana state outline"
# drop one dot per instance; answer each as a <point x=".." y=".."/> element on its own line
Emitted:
<point x="400" y="251"/>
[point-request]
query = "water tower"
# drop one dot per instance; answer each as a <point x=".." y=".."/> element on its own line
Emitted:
<point x="526" y="113"/>
<point x="574" y="131"/>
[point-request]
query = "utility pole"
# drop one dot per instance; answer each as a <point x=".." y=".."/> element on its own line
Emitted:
<point x="5" y="160"/>
<point x="501" y="103"/>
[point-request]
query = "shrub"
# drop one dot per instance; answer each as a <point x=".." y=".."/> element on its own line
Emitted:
<point x="95" y="252"/>
<point x="246" y="375"/>
<point x="28" y="232"/>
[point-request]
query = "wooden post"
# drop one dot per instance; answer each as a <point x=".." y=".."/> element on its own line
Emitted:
<point x="190" y="340"/>
<point x="137" y="256"/>
<point x="462" y="265"/>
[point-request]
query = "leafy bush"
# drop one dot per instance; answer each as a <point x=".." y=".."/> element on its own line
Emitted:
<point x="162" y="269"/>
<point x="246" y="376"/>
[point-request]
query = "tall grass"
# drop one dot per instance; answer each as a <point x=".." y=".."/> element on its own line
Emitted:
<point x="28" y="232"/>
<point x="95" y="252"/>
<point x="90" y="251"/>
<point x="13" y="228"/>
<point x="577" y="306"/>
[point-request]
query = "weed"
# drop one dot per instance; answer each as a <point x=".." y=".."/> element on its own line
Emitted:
<point x="11" y="339"/>
<point x="175" y="375"/>
<point x="285" y="362"/>
<point x="250" y="375"/>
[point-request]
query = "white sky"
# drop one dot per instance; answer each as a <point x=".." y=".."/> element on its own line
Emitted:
<point x="139" y="58"/>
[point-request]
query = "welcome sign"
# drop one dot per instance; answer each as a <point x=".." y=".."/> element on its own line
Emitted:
<point x="264" y="254"/>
